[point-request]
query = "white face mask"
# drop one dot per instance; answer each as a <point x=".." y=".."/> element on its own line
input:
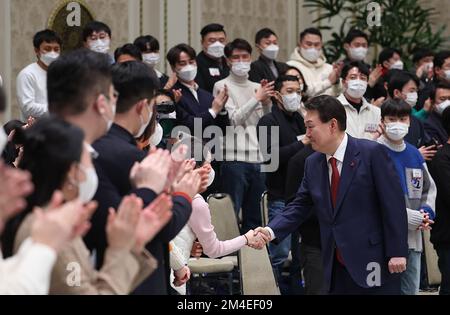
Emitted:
<point x="3" y="139"/>
<point x="271" y="52"/>
<point x="356" y="88"/>
<point x="151" y="59"/>
<point x="88" y="188"/>
<point x="188" y="73"/>
<point x="447" y="74"/>
<point x="292" y="102"/>
<point x="397" y="65"/>
<point x="212" y="176"/>
<point x="396" y="131"/>
<point x="310" y="54"/>
<point x="411" y="98"/>
<point x="48" y="58"/>
<point x="157" y="136"/>
<point x="216" y="50"/>
<point x="428" y="66"/>
<point x="358" y="54"/>
<point x="241" y="68"/>
<point x="441" y="107"/>
<point x="144" y="125"/>
<point x="100" y="45"/>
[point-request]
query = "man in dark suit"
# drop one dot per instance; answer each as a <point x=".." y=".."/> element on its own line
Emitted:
<point x="266" y="67"/>
<point x="118" y="155"/>
<point x="434" y="126"/>
<point x="354" y="189"/>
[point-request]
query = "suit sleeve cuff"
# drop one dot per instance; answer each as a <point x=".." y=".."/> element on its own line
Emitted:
<point x="272" y="235"/>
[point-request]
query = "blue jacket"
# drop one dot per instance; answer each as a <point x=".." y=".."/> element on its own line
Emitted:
<point x="117" y="154"/>
<point x="369" y="224"/>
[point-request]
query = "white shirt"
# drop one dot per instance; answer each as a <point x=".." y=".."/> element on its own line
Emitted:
<point x="339" y="156"/>
<point x="362" y="124"/>
<point x="29" y="271"/>
<point x="32" y="91"/>
<point x="193" y="89"/>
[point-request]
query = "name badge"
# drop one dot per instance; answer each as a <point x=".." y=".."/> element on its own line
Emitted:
<point x="214" y="72"/>
<point x="414" y="182"/>
<point x="371" y="127"/>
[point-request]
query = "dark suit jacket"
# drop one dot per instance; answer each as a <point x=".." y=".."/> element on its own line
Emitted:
<point x="260" y="70"/>
<point x="188" y="108"/>
<point x="117" y="154"/>
<point x="204" y="78"/>
<point x="369" y="223"/>
<point x="435" y="129"/>
<point x="286" y="146"/>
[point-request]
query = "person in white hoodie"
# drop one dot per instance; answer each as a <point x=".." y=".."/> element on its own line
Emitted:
<point x="32" y="81"/>
<point x="321" y="77"/>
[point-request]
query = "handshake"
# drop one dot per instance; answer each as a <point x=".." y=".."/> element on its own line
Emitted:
<point x="258" y="238"/>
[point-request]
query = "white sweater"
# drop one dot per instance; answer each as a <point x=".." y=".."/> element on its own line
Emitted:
<point x="315" y="74"/>
<point x="364" y="124"/>
<point x="244" y="112"/>
<point x="31" y="89"/>
<point x="28" y="272"/>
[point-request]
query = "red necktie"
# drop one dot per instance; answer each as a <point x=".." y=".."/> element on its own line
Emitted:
<point x="335" y="177"/>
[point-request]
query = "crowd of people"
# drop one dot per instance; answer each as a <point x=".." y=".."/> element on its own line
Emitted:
<point x="105" y="174"/>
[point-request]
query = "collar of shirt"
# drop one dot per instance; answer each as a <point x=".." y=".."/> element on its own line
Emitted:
<point x="340" y="152"/>
<point x="191" y="87"/>
<point x="94" y="154"/>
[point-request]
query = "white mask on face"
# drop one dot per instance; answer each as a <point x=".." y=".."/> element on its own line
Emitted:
<point x="411" y="98"/>
<point x="212" y="176"/>
<point x="151" y="59"/>
<point x="356" y="88"/>
<point x="447" y="74"/>
<point x="271" y="52"/>
<point x="3" y="139"/>
<point x="241" y="68"/>
<point x="310" y="54"/>
<point x="358" y="54"/>
<point x="100" y="45"/>
<point x="157" y="136"/>
<point x="216" y="50"/>
<point x="88" y="188"/>
<point x="188" y="73"/>
<point x="442" y="106"/>
<point x="144" y="125"/>
<point x="48" y="58"/>
<point x="396" y="131"/>
<point x="292" y="102"/>
<point x="428" y="66"/>
<point x="397" y="65"/>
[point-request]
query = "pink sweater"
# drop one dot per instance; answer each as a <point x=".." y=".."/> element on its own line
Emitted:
<point x="200" y="223"/>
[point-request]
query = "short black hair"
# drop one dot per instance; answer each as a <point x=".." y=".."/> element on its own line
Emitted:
<point x="173" y="56"/>
<point x="328" y="108"/>
<point x="134" y="81"/>
<point x="422" y="53"/>
<point x="46" y="36"/>
<point x="147" y="43"/>
<point x="399" y="79"/>
<point x="446" y="120"/>
<point x="128" y="49"/>
<point x="440" y="85"/>
<point x="310" y="30"/>
<point x="264" y="33"/>
<point x="165" y="92"/>
<point x="238" y="43"/>
<point x="2" y="100"/>
<point x="284" y="78"/>
<point x="439" y="58"/>
<point x="387" y="54"/>
<point x="396" y="108"/>
<point x="75" y="78"/>
<point x="211" y="28"/>
<point x="355" y="64"/>
<point x="355" y="33"/>
<point x="95" y="27"/>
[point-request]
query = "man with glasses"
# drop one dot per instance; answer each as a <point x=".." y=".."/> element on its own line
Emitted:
<point x="97" y="37"/>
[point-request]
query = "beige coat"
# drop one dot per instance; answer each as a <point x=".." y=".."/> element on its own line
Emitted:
<point x="74" y="273"/>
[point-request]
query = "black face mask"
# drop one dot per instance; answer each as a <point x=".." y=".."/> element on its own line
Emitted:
<point x="165" y="108"/>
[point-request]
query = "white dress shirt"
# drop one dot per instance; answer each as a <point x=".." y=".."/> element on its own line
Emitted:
<point x="339" y="156"/>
